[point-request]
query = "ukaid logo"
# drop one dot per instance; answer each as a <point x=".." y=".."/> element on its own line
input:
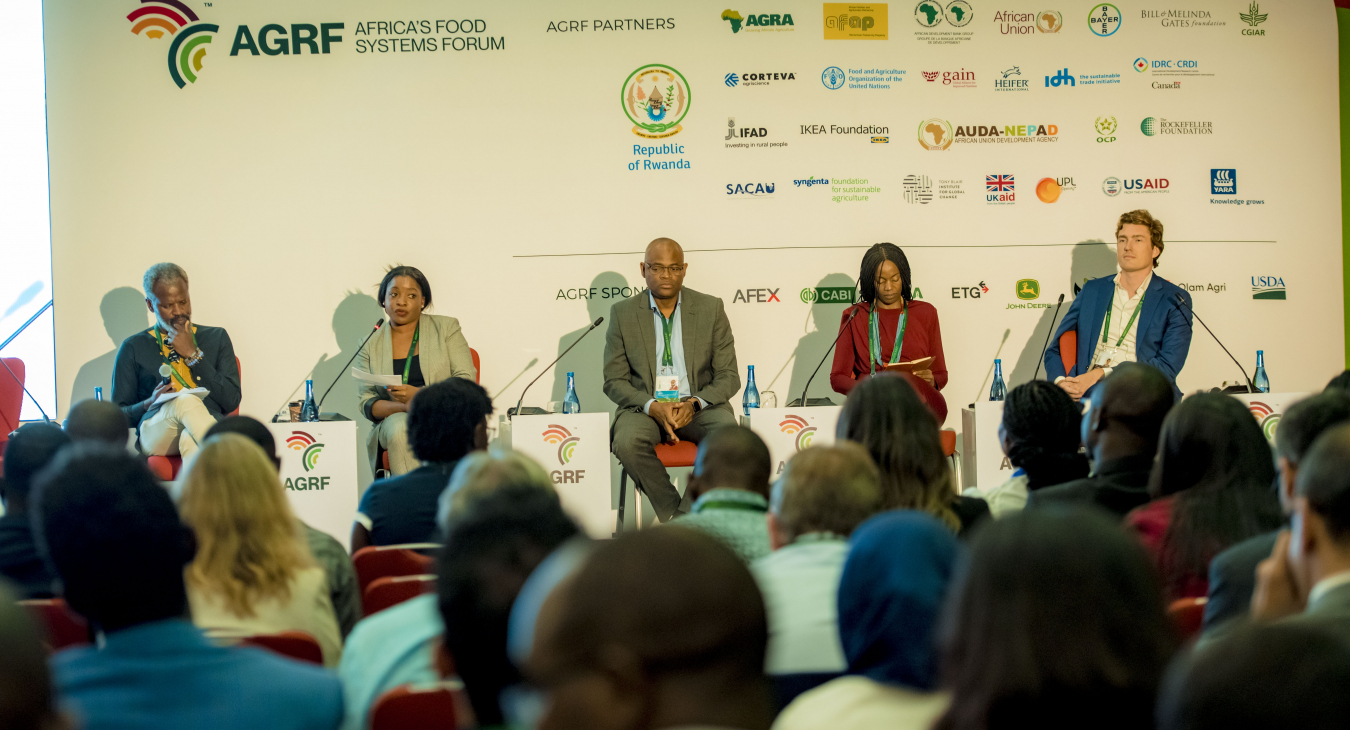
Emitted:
<point x="999" y="190"/>
<point x="567" y="448"/>
<point x="190" y="36"/>
<point x="1223" y="181"/>
<point x="746" y="191"/>
<point x="308" y="449"/>
<point x="1268" y="287"/>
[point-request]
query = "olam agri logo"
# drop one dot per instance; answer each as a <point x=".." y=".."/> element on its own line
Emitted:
<point x="305" y="444"/>
<point x="567" y="443"/>
<point x="796" y="425"/>
<point x="154" y="18"/>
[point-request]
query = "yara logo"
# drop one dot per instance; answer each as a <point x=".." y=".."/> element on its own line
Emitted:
<point x="754" y="190"/>
<point x="1061" y="78"/>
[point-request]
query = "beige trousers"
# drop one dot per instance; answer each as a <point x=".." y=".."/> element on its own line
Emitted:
<point x="393" y="434"/>
<point x="177" y="427"/>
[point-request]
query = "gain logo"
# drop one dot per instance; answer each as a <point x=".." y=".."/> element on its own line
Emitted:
<point x="186" y="51"/>
<point x="655" y="97"/>
<point x="1267" y="417"/>
<point x="305" y="444"/>
<point x="797" y="425"/>
<point x="567" y="443"/>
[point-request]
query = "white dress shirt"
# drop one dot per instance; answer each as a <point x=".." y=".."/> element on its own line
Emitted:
<point x="676" y="347"/>
<point x="1122" y="306"/>
<point x="800" y="583"/>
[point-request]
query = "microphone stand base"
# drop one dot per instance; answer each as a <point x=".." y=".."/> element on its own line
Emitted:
<point x="810" y="402"/>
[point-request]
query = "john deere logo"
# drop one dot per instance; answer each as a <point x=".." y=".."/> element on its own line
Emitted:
<point x="309" y="450"/>
<point x="796" y="425"/>
<point x="655" y="97"/>
<point x="187" y="49"/>
<point x="1028" y="289"/>
<point x="567" y="443"/>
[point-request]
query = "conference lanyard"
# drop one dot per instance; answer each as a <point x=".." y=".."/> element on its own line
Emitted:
<point x="407" y="361"/>
<point x="667" y="326"/>
<point x="1107" y="327"/>
<point x="874" y="338"/>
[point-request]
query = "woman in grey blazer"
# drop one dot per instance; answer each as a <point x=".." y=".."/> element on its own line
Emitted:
<point x="421" y="348"/>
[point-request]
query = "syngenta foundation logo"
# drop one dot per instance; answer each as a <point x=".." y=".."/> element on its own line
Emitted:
<point x="187" y="49"/>
<point x="567" y="443"/>
<point x="797" y="426"/>
<point x="656" y="98"/>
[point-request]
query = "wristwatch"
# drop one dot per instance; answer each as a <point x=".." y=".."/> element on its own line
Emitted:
<point x="698" y="404"/>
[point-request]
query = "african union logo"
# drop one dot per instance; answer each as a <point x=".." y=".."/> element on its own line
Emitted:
<point x="567" y="443"/>
<point x="935" y="134"/>
<point x="1267" y="417"/>
<point x="156" y="17"/>
<point x="833" y="78"/>
<point x="797" y="425"/>
<point x="309" y="450"/>
<point x="655" y="97"/>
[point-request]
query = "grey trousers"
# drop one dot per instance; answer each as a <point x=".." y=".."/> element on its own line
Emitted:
<point x="635" y="437"/>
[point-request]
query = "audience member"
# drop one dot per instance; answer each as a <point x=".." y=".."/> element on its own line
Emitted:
<point x="1119" y="429"/>
<point x="659" y="629"/>
<point x="1261" y="678"/>
<point x="343" y="589"/>
<point x="730" y="490"/>
<point x="1211" y="489"/>
<point x="490" y="551"/>
<point x="1057" y="623"/>
<point x="888" y="418"/>
<point x="894" y="582"/>
<point x="1340" y="382"/>
<point x="28" y="450"/>
<point x="253" y="573"/>
<point x="1039" y="434"/>
<point x="1232" y="573"/>
<point x="824" y="493"/>
<point x="26" y="698"/>
<point x="116" y="542"/>
<point x="446" y="421"/>
<point x="98" y="420"/>
<point x="482" y="473"/>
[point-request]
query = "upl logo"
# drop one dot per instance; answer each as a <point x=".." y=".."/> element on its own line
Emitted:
<point x="567" y="448"/>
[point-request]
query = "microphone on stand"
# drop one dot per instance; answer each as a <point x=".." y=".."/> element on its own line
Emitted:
<point x="10" y="339"/>
<point x="1048" y="335"/>
<point x="512" y="412"/>
<point x="343" y="371"/>
<point x="1182" y="300"/>
<point x="842" y="329"/>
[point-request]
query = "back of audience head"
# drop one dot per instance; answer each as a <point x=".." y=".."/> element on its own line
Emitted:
<point x="447" y="420"/>
<point x="1300" y="426"/>
<point x="733" y="457"/>
<point x="249" y="541"/>
<point x="1126" y="413"/>
<point x="1262" y="676"/>
<point x="824" y="489"/>
<point x="98" y="420"/>
<point x="27" y="701"/>
<point x="29" y="449"/>
<point x="482" y="473"/>
<point x="1341" y="381"/>
<point x="491" y="549"/>
<point x="659" y="628"/>
<point x="1321" y="524"/>
<point x="1040" y="434"/>
<point x="112" y="536"/>
<point x="1058" y="622"/>
<point x="251" y="429"/>
<point x="899" y="569"/>
<point x="888" y="418"/>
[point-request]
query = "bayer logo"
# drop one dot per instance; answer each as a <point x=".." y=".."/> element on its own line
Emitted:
<point x="833" y="77"/>
<point x="732" y="79"/>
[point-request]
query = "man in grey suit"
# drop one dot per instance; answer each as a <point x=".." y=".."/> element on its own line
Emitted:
<point x="670" y="366"/>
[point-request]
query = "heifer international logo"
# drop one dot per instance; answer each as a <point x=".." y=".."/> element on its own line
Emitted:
<point x="156" y="17"/>
<point x="1267" y="417"/>
<point x="796" y="425"/>
<point x="305" y="444"/>
<point x="567" y="443"/>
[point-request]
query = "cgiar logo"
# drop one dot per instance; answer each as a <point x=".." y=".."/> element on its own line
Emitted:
<point x="567" y="443"/>
<point x="656" y="97"/>
<point x="305" y="444"/>
<point x="156" y="17"/>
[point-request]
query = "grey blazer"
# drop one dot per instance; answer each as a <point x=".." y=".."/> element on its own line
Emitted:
<point x="709" y="351"/>
<point x="442" y="353"/>
<point x="1331" y="611"/>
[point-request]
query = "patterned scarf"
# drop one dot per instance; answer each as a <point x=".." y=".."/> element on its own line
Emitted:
<point x="182" y="375"/>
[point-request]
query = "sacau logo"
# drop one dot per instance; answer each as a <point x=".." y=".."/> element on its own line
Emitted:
<point x="745" y="191"/>
<point x="173" y="17"/>
<point x="567" y="448"/>
<point x="796" y="425"/>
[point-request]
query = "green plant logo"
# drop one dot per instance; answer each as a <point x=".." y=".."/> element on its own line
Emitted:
<point x="1253" y="16"/>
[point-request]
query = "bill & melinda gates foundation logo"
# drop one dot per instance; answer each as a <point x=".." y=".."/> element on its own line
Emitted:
<point x="187" y="49"/>
<point x="309" y="449"/>
<point x="567" y="448"/>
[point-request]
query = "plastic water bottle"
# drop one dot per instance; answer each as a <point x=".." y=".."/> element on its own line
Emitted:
<point x="308" y="411"/>
<point x="998" y="391"/>
<point x="751" y="397"/>
<point x="1260" y="379"/>
<point x="570" y="403"/>
<point x="98" y="393"/>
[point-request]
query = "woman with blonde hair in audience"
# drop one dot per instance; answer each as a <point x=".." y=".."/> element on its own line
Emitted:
<point x="253" y="573"/>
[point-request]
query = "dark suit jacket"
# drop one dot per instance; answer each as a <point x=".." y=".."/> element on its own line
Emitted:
<point x="1232" y="578"/>
<point x="1330" y="611"/>
<point x="709" y="351"/>
<point x="136" y="373"/>
<point x="1163" y="339"/>
<point x="1118" y="486"/>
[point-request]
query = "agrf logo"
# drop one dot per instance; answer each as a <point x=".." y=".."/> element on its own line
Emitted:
<point x="656" y="98"/>
<point x="798" y="427"/>
<point x="304" y="444"/>
<point x="187" y="50"/>
<point x="1267" y="417"/>
<point x="567" y="447"/>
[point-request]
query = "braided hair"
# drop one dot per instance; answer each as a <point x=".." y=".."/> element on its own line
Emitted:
<point x="1041" y="423"/>
<point x="871" y="264"/>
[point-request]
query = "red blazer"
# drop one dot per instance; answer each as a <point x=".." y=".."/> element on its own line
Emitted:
<point x="923" y="338"/>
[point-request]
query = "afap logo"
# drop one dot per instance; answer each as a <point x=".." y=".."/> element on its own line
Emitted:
<point x="156" y="17"/>
<point x="796" y="425"/>
<point x="567" y="443"/>
<point x="305" y="444"/>
<point x="1267" y="417"/>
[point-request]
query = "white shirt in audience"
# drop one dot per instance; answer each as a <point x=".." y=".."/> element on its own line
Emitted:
<point x="309" y="610"/>
<point x="800" y="583"/>
<point x="1006" y="498"/>
<point x="859" y="703"/>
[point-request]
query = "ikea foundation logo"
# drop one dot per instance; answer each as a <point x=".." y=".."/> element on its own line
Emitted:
<point x="308" y="448"/>
<point x="567" y="443"/>
<point x="797" y="426"/>
<point x="187" y="51"/>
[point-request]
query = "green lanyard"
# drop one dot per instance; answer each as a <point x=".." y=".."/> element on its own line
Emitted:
<point x="159" y="339"/>
<point x="874" y="338"/>
<point x="667" y="326"/>
<point x="407" y="362"/>
<point x="1107" y="327"/>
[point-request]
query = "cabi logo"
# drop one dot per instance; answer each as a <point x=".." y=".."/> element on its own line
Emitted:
<point x="567" y="443"/>
<point x="796" y="425"/>
<point x="656" y="98"/>
<point x="1267" y="417"/>
<point x="156" y="17"/>
<point x="308" y="448"/>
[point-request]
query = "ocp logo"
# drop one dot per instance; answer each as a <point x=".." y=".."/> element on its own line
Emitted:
<point x="173" y="17"/>
<point x="1028" y="289"/>
<point x="309" y="450"/>
<point x="567" y="443"/>
<point x="797" y="425"/>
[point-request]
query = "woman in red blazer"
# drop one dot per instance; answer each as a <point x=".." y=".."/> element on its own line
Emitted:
<point x="887" y="303"/>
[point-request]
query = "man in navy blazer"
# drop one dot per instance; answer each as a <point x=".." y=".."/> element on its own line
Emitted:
<point x="1139" y="312"/>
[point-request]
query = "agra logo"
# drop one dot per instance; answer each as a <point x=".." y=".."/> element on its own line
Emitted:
<point x="567" y="443"/>
<point x="1267" y="417"/>
<point x="935" y="134"/>
<point x="797" y="425"/>
<point x="157" y="17"/>
<point x="309" y="450"/>
<point x="655" y="97"/>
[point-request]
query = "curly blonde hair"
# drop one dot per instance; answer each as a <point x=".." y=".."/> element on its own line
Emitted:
<point x="1142" y="217"/>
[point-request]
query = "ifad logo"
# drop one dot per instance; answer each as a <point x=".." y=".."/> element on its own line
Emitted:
<point x="1267" y="417"/>
<point x="154" y="18"/>
<point x="567" y="447"/>
<point x="797" y="426"/>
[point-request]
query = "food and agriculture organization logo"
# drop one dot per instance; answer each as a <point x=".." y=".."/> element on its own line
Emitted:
<point x="797" y="426"/>
<point x="1028" y="289"/>
<point x="1149" y="126"/>
<point x="306" y="446"/>
<point x="935" y="134"/>
<point x="1267" y="417"/>
<point x="1104" y="19"/>
<point x="567" y="443"/>
<point x="832" y="77"/>
<point x="1223" y="181"/>
<point x="656" y="97"/>
<point x="187" y="49"/>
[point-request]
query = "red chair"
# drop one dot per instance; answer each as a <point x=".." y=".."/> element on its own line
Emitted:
<point x="680" y="453"/>
<point x="392" y="590"/>
<point x="477" y="378"/>
<point x="11" y="400"/>
<point x="383" y="561"/>
<point x="291" y="644"/>
<point x="1188" y="614"/>
<point x="1068" y="349"/>
<point x="410" y="707"/>
<point x="165" y="468"/>
<point x="64" y="626"/>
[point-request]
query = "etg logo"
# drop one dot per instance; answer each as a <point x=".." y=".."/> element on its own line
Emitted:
<point x="756" y="296"/>
<point x="969" y="292"/>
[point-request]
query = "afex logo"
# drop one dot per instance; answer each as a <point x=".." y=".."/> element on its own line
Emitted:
<point x="567" y="447"/>
<point x="969" y="292"/>
<point x="756" y="296"/>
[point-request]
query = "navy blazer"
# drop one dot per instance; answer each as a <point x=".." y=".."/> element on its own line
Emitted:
<point x="1163" y="339"/>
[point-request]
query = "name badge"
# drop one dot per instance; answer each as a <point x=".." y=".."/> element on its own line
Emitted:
<point x="667" y="385"/>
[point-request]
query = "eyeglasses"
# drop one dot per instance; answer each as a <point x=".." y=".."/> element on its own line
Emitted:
<point x="659" y="270"/>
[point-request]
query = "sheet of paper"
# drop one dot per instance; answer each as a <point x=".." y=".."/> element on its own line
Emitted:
<point x="166" y="397"/>
<point x="385" y="380"/>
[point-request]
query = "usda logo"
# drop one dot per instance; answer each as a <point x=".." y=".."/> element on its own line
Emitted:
<point x="1111" y="186"/>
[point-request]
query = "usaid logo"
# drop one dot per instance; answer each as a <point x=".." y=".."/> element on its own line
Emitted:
<point x="1223" y="181"/>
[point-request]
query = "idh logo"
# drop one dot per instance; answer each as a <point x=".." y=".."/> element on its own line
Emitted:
<point x="567" y="446"/>
<point x="309" y="449"/>
<point x="190" y="37"/>
<point x="796" y="425"/>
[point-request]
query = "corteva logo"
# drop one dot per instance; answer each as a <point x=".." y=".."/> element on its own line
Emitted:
<point x="186" y="51"/>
